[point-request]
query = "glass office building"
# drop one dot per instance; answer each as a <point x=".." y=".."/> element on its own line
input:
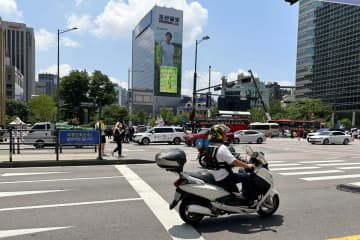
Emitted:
<point x="328" y="55"/>
<point x="157" y="60"/>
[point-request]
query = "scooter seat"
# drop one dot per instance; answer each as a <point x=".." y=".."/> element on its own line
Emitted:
<point x="205" y="176"/>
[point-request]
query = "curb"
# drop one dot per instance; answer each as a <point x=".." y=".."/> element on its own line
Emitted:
<point x="89" y="162"/>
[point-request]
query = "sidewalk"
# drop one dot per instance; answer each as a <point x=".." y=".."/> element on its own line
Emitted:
<point x="71" y="158"/>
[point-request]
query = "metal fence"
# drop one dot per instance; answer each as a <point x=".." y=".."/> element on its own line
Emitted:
<point x="20" y="141"/>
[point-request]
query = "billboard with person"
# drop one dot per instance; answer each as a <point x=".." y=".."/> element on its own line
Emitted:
<point x="168" y="53"/>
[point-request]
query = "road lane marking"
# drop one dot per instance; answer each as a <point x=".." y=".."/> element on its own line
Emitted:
<point x="28" y="173"/>
<point x="69" y="204"/>
<point x="285" y="164"/>
<point x="271" y="162"/>
<point x="310" y="172"/>
<point x="292" y="168"/>
<point x="168" y="218"/>
<point x="337" y="164"/>
<point x="346" y="168"/>
<point x="60" y="179"/>
<point x="331" y="177"/>
<point x="353" y="237"/>
<point x="21" y="193"/>
<point x="18" y="232"/>
<point x="323" y="161"/>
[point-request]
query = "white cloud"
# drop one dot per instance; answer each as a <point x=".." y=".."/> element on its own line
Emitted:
<point x="64" y="69"/>
<point x="121" y="83"/>
<point x="78" y="2"/>
<point x="9" y="8"/>
<point x="83" y="23"/>
<point x="119" y="18"/>
<point x="69" y="43"/>
<point x="44" y="40"/>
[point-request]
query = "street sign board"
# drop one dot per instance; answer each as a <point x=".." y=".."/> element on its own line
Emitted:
<point x="79" y="137"/>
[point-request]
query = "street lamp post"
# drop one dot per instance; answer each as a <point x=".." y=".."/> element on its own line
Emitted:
<point x="194" y="86"/>
<point x="58" y="69"/>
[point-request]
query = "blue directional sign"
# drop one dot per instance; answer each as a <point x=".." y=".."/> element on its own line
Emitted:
<point x="350" y="2"/>
<point x="79" y="137"/>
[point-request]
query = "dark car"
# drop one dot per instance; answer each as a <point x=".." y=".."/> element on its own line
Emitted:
<point x="190" y="138"/>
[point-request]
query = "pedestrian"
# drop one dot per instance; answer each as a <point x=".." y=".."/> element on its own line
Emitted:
<point x="118" y="133"/>
<point x="131" y="133"/>
<point x="100" y="126"/>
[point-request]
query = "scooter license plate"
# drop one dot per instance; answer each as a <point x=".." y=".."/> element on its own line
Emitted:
<point x="176" y="199"/>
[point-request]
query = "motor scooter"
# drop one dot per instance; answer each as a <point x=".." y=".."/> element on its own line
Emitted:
<point x="200" y="195"/>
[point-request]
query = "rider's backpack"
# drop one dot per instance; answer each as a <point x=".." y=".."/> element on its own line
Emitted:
<point x="210" y="161"/>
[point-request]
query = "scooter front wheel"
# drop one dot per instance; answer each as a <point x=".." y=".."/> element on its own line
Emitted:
<point x="186" y="216"/>
<point x="269" y="207"/>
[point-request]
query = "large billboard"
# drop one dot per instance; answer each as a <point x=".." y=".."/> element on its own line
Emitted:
<point x="168" y="52"/>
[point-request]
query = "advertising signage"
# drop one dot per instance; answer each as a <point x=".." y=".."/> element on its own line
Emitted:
<point x="168" y="53"/>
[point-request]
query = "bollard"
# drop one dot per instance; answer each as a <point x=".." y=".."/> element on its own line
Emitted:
<point x="18" y="145"/>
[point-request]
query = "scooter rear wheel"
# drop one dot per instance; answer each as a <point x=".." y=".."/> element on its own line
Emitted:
<point x="186" y="216"/>
<point x="266" y="211"/>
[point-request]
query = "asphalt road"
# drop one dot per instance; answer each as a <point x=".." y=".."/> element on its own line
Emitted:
<point x="130" y="201"/>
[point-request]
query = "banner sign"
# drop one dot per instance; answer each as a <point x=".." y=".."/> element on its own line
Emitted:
<point x="79" y="137"/>
<point x="350" y="2"/>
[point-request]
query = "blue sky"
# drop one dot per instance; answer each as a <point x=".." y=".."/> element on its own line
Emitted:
<point x="244" y="34"/>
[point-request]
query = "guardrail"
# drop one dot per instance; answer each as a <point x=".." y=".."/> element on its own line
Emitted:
<point x="17" y="140"/>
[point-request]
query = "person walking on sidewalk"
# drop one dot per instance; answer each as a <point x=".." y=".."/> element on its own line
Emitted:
<point x="118" y="134"/>
<point x="100" y="126"/>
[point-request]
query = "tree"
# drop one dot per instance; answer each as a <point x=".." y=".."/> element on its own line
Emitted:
<point x="101" y="89"/>
<point x="114" y="113"/>
<point x="17" y="108"/>
<point x="276" y="110"/>
<point x="73" y="90"/>
<point x="43" y="108"/>
<point x="168" y="116"/>
<point x="140" y="118"/>
<point x="309" y="109"/>
<point x="257" y="114"/>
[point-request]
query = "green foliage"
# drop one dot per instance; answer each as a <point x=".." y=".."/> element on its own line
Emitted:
<point x="257" y="115"/>
<point x="43" y="108"/>
<point x="308" y="110"/>
<point x="101" y="89"/>
<point x="140" y="118"/>
<point x="114" y="113"/>
<point x="15" y="108"/>
<point x="168" y="116"/>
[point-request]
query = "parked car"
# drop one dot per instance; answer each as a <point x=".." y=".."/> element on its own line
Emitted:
<point x="249" y="136"/>
<point x="41" y="134"/>
<point x="330" y="137"/>
<point x="160" y="134"/>
<point x="190" y="138"/>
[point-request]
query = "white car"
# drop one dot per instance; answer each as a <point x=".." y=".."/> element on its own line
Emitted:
<point x="330" y="137"/>
<point x="249" y="136"/>
<point x="160" y="134"/>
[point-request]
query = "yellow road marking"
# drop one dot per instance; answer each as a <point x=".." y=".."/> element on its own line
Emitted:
<point x="354" y="237"/>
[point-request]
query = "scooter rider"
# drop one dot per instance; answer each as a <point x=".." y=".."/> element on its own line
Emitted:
<point x="225" y="160"/>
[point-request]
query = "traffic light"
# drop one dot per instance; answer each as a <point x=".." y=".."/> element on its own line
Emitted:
<point x="291" y="1"/>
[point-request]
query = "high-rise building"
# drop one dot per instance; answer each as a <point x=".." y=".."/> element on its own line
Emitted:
<point x="157" y="60"/>
<point x="20" y="49"/>
<point x="14" y="83"/>
<point x="50" y="81"/>
<point x="2" y="75"/>
<point x="328" y="59"/>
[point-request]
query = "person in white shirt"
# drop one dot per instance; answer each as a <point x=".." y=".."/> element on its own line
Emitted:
<point x="225" y="161"/>
<point x="167" y="51"/>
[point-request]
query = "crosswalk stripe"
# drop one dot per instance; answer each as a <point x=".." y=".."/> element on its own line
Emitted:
<point x="337" y="164"/>
<point x="310" y="172"/>
<point x="285" y="164"/>
<point x="292" y="168"/>
<point x="347" y="168"/>
<point x="331" y="177"/>
<point x="323" y="161"/>
<point x="357" y="184"/>
<point x="275" y="162"/>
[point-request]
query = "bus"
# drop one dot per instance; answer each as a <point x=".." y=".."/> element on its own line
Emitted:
<point x="235" y="120"/>
<point x="268" y="129"/>
<point x="300" y="127"/>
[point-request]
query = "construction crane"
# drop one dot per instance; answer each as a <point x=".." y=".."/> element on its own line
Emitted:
<point x="267" y="114"/>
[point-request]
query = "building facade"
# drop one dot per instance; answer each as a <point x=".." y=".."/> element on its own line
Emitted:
<point x="20" y="49"/>
<point x="2" y="75"/>
<point x="157" y="60"/>
<point x="328" y="56"/>
<point x="14" y="83"/>
<point x="49" y="81"/>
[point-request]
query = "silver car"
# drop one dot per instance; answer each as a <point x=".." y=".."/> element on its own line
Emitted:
<point x="330" y="137"/>
<point x="249" y="136"/>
